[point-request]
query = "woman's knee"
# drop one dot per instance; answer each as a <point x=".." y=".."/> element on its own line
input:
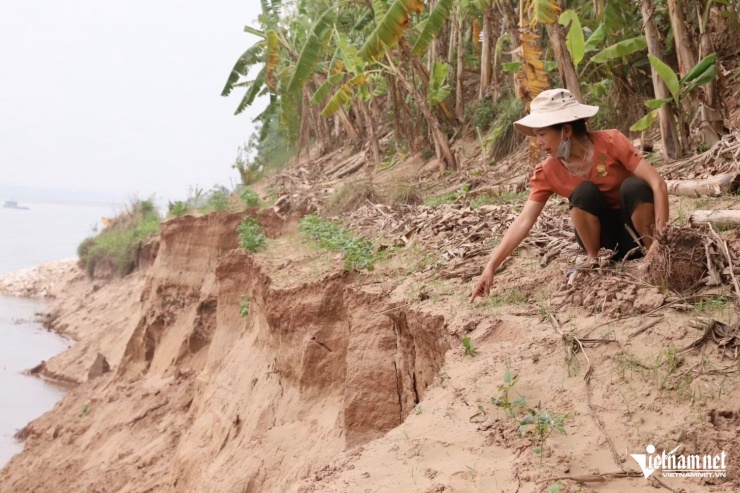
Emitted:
<point x="633" y="192"/>
<point x="588" y="197"/>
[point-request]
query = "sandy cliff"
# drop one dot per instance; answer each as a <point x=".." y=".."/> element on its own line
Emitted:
<point x="201" y="398"/>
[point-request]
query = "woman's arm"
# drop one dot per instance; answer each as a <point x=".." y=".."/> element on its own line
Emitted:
<point x="518" y="230"/>
<point x="645" y="171"/>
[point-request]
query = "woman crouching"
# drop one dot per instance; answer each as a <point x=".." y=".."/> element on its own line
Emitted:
<point x="608" y="183"/>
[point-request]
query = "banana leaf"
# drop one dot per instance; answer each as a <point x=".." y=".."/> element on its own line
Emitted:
<point x="699" y="69"/>
<point x="621" y="49"/>
<point x="574" y="40"/>
<point x="252" y="56"/>
<point x="668" y="75"/>
<point x="323" y="91"/>
<point x="390" y="28"/>
<point x="312" y="51"/>
<point x="645" y="122"/>
<point x="434" y="23"/>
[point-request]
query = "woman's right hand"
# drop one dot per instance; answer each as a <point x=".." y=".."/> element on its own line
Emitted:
<point x="483" y="286"/>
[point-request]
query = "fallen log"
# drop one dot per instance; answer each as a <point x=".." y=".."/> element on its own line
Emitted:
<point x="714" y="186"/>
<point x="350" y="168"/>
<point x="720" y="218"/>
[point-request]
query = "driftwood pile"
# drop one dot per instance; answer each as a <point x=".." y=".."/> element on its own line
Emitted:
<point x="723" y="157"/>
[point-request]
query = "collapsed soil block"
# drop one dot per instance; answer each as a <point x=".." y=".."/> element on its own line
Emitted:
<point x="679" y="262"/>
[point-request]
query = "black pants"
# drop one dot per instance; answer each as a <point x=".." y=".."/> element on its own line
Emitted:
<point x="614" y="234"/>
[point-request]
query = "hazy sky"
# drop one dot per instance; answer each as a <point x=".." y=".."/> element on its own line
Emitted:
<point x="121" y="96"/>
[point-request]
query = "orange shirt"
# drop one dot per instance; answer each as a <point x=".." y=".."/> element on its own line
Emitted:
<point x="615" y="160"/>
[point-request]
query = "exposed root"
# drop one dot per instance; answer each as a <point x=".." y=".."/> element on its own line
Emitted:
<point x="678" y="261"/>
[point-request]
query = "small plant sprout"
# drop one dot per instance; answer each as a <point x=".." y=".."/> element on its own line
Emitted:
<point x="244" y="305"/>
<point x="542" y="424"/>
<point x="556" y="487"/>
<point x="470" y="350"/>
<point x="503" y="400"/>
<point x="85" y="410"/>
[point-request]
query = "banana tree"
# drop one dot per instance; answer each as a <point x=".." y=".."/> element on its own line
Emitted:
<point x="668" y="132"/>
<point x="702" y="73"/>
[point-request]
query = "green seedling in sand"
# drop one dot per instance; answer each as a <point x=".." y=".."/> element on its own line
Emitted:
<point x="85" y="410"/>
<point x="542" y="424"/>
<point x="503" y="400"/>
<point x="470" y="350"/>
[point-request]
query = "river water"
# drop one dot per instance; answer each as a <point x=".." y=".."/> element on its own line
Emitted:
<point x="42" y="233"/>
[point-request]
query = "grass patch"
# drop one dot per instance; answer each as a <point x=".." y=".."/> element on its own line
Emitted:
<point x="351" y="196"/>
<point x="359" y="253"/>
<point x="405" y="194"/>
<point x="117" y="245"/>
<point x="449" y="197"/>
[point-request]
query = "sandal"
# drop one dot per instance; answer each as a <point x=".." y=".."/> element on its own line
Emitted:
<point x="594" y="264"/>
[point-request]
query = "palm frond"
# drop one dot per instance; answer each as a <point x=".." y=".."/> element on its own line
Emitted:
<point x="254" y="89"/>
<point x="364" y="21"/>
<point x="256" y="32"/>
<point x="379" y="8"/>
<point x="323" y="91"/>
<point x="343" y="96"/>
<point x="252" y="56"/>
<point x="544" y="12"/>
<point x="435" y="22"/>
<point x="350" y="55"/>
<point x="312" y="50"/>
<point x="390" y="28"/>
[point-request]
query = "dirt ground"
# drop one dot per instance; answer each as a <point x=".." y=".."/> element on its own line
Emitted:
<point x="214" y="370"/>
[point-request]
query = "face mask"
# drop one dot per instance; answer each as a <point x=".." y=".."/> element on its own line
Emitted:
<point x="564" y="147"/>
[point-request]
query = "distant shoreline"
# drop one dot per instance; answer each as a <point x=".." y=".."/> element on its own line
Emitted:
<point x="91" y="203"/>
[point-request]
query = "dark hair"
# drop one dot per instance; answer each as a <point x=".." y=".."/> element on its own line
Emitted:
<point x="579" y="127"/>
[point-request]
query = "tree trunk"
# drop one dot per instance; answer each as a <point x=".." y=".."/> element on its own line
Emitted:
<point x="486" y="64"/>
<point x="460" y="75"/>
<point x="432" y="51"/>
<point x="685" y="50"/>
<point x="714" y="186"/>
<point x="713" y="125"/>
<point x="715" y="218"/>
<point x="562" y="56"/>
<point x="444" y="153"/>
<point x="421" y="71"/>
<point x="348" y="127"/>
<point x="374" y="145"/>
<point x="512" y="25"/>
<point x="452" y="46"/>
<point x="668" y="130"/>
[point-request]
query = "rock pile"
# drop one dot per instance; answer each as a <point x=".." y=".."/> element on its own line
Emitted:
<point x="39" y="281"/>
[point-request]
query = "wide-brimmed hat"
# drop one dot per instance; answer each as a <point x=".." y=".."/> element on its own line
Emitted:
<point x="552" y="107"/>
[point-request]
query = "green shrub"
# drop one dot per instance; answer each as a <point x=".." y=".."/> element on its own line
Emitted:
<point x="359" y="253"/>
<point x="483" y="114"/>
<point x="218" y="201"/>
<point x="249" y="197"/>
<point x="178" y="208"/>
<point x="251" y="237"/>
<point x="117" y="245"/>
